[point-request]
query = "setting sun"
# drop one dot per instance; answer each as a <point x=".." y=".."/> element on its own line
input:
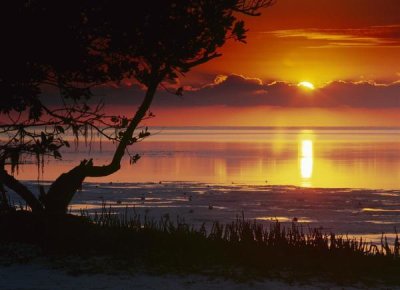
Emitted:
<point x="306" y="85"/>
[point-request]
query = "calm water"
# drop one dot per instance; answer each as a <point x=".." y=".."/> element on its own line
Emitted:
<point x="308" y="157"/>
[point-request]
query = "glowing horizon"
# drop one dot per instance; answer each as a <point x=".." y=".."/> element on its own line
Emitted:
<point x="297" y="68"/>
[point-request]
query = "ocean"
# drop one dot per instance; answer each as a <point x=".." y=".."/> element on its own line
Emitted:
<point x="345" y="180"/>
<point x="308" y="157"/>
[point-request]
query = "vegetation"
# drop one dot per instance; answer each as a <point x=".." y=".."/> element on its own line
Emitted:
<point x="242" y="249"/>
<point x="57" y="52"/>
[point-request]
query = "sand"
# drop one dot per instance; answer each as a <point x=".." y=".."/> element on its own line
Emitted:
<point x="359" y="212"/>
<point x="35" y="276"/>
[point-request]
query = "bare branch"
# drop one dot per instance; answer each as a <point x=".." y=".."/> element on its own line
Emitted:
<point x="252" y="7"/>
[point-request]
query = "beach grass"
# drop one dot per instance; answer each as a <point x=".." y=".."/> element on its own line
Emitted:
<point x="243" y="249"/>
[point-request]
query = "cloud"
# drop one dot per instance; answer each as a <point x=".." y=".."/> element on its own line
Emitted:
<point x="362" y="94"/>
<point x="239" y="91"/>
<point x="373" y="36"/>
<point x="232" y="90"/>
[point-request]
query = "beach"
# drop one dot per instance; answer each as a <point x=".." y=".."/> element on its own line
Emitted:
<point x="360" y="213"/>
<point x="39" y="275"/>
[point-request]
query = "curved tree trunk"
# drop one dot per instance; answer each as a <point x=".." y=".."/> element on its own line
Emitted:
<point x="64" y="187"/>
<point x="27" y="195"/>
<point x="62" y="190"/>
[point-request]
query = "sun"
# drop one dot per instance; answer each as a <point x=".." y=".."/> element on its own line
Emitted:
<point x="306" y="85"/>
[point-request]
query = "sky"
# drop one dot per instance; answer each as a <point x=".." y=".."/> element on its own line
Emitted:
<point x="347" y="49"/>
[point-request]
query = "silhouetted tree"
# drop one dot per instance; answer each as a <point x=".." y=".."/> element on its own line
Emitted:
<point x="62" y="49"/>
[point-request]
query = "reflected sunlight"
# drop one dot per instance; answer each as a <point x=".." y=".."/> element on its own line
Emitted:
<point x="306" y="160"/>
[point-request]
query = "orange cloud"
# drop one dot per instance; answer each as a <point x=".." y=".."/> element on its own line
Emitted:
<point x="388" y="35"/>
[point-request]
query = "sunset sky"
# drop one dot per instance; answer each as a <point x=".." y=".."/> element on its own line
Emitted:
<point x="348" y="49"/>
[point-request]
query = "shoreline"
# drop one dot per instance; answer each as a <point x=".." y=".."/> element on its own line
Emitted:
<point x="356" y="212"/>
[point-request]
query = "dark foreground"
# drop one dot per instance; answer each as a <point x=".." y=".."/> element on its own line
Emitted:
<point x="242" y="250"/>
<point x="36" y="275"/>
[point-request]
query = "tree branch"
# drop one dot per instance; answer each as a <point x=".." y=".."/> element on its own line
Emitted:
<point x="204" y="59"/>
<point x="20" y="189"/>
<point x="251" y="7"/>
<point x="97" y="171"/>
<point x="64" y="187"/>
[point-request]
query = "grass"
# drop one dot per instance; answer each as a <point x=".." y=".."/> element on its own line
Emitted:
<point x="242" y="249"/>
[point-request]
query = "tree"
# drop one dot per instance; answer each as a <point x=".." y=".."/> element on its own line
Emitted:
<point x="74" y="47"/>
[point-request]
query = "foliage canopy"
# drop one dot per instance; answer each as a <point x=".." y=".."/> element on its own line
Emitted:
<point x="57" y="51"/>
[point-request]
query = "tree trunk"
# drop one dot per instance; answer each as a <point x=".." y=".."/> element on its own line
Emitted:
<point x="27" y="195"/>
<point x="64" y="188"/>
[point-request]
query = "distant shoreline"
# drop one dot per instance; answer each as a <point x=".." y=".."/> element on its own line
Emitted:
<point x="276" y="127"/>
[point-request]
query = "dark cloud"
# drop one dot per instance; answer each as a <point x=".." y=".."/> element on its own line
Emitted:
<point x="362" y="94"/>
<point x="239" y="91"/>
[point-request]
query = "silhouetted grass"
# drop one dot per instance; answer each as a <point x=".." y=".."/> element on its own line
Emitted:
<point x="242" y="247"/>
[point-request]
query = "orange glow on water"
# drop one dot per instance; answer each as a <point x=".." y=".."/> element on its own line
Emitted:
<point x="306" y="160"/>
<point x="309" y="158"/>
<point x="269" y="116"/>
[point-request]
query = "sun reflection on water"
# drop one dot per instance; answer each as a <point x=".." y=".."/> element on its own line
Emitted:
<point x="306" y="161"/>
<point x="308" y="158"/>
